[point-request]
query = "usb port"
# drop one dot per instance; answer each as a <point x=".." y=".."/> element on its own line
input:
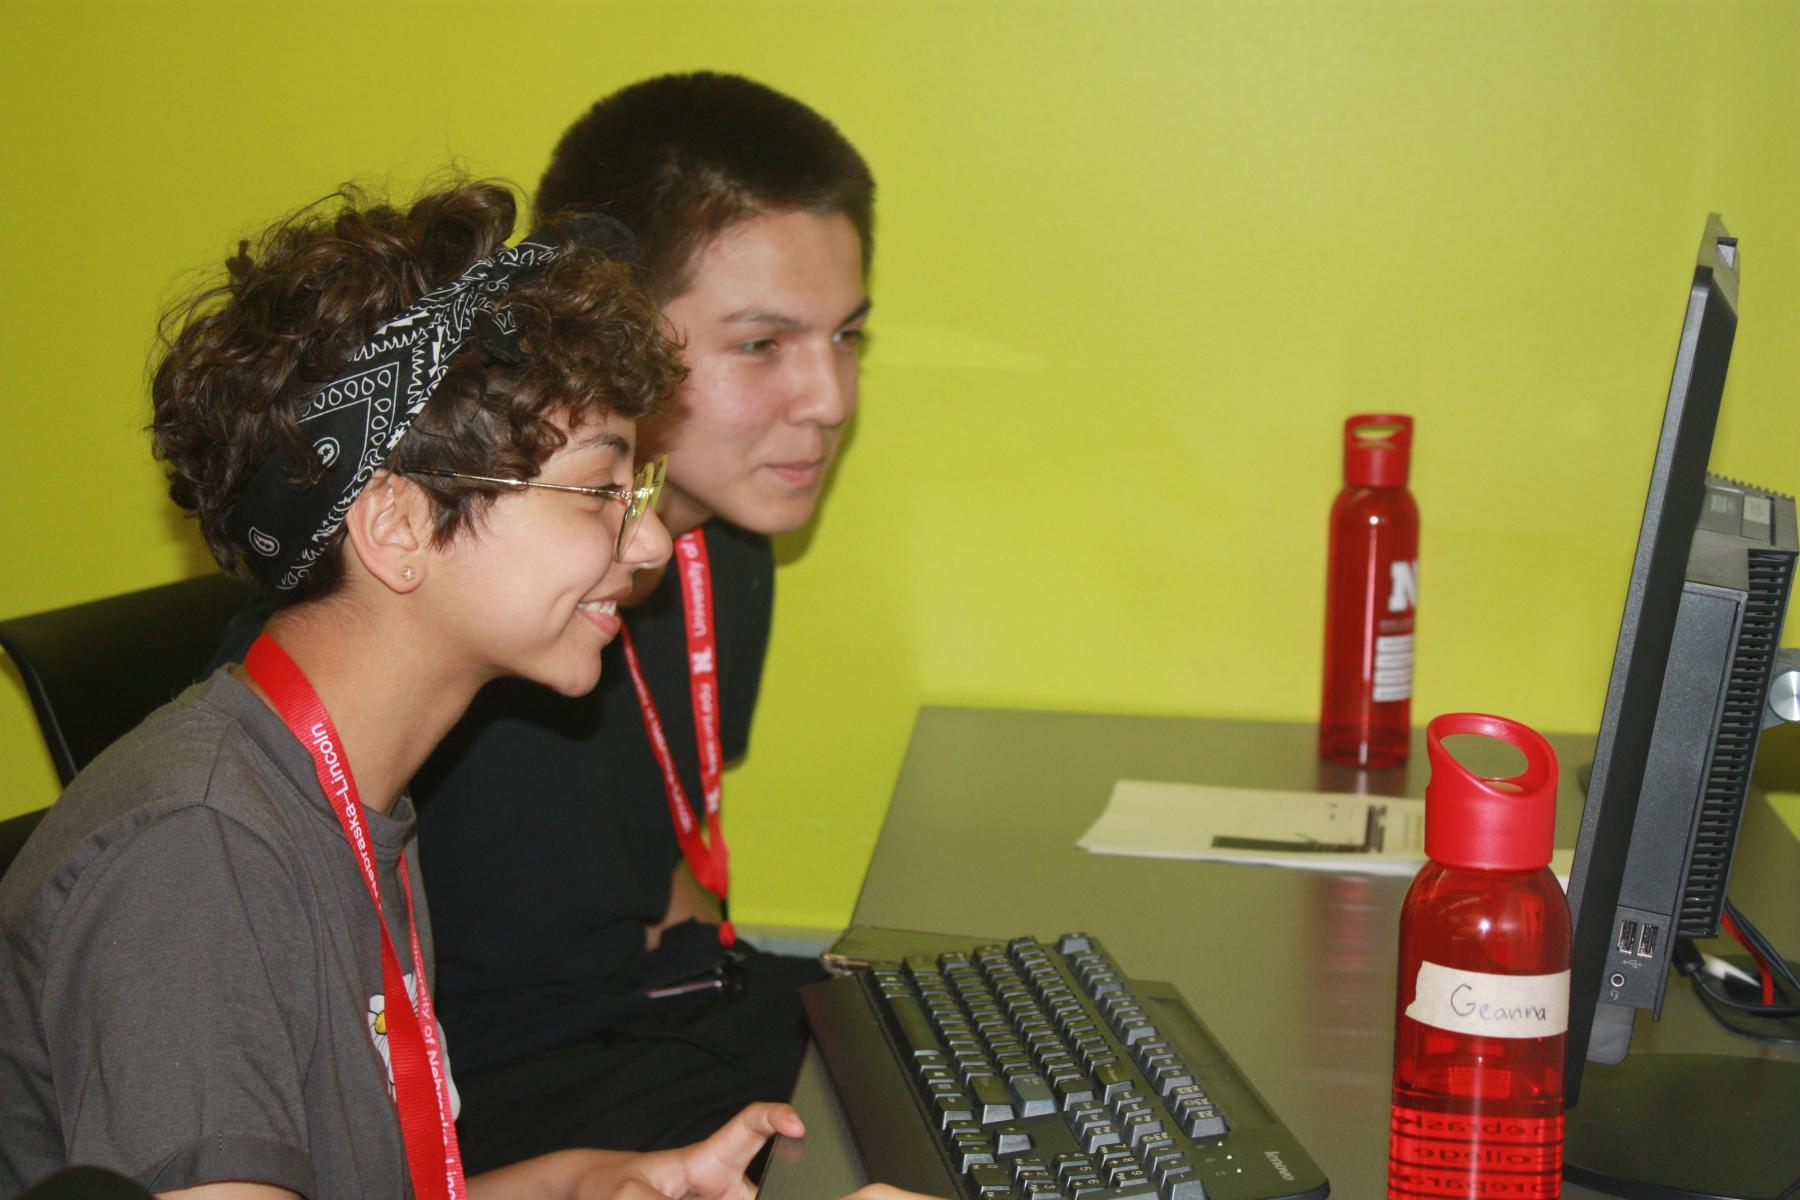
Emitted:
<point x="1628" y="937"/>
<point x="1646" y="944"/>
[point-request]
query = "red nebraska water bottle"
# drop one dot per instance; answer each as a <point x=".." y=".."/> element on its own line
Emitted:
<point x="1484" y="983"/>
<point x="1371" y="591"/>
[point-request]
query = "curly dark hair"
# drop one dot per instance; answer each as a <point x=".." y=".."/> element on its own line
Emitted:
<point x="678" y="158"/>
<point x="242" y="357"/>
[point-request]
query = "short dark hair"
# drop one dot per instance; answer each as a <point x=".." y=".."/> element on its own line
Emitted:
<point x="679" y="158"/>
<point x="242" y="358"/>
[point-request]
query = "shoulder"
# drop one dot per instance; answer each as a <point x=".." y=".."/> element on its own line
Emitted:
<point x="189" y="782"/>
<point x="743" y="563"/>
<point x="738" y="549"/>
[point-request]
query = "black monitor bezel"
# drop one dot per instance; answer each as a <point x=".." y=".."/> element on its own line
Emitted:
<point x="1647" y="628"/>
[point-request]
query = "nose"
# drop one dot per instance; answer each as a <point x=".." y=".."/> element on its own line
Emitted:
<point x="824" y="385"/>
<point x="650" y="545"/>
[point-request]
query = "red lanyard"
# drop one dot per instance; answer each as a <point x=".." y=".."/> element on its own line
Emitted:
<point x="706" y="856"/>
<point x="420" y="1072"/>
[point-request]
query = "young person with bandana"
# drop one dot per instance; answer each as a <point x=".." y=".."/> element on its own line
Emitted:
<point x="420" y="441"/>
<point x="579" y="928"/>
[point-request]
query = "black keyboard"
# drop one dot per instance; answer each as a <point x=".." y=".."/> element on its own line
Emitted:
<point x="1040" y="1071"/>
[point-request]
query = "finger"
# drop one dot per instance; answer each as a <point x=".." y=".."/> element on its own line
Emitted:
<point x="714" y="1168"/>
<point x="787" y="1121"/>
<point x="743" y="1135"/>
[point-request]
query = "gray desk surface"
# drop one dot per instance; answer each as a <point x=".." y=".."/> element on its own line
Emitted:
<point x="1292" y="970"/>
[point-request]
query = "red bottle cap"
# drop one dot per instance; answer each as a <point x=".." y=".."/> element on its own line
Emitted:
<point x="1492" y="824"/>
<point x="1377" y="449"/>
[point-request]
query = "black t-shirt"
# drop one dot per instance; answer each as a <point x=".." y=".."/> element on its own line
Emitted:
<point x="544" y="830"/>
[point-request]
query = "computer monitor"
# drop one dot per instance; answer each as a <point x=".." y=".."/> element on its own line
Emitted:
<point x="1685" y="704"/>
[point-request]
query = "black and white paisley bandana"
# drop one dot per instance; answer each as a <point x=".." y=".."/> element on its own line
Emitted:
<point x="354" y="422"/>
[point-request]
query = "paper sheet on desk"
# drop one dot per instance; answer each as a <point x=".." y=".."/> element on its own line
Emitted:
<point x="1316" y="831"/>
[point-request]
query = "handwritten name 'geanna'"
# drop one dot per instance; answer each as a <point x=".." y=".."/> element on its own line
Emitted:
<point x="1463" y="1004"/>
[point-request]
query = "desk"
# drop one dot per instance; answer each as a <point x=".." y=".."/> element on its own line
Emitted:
<point x="1292" y="970"/>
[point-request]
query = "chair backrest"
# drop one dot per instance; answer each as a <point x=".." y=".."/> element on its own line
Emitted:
<point x="94" y="670"/>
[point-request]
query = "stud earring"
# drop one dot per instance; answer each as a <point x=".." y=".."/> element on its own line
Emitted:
<point x="408" y="574"/>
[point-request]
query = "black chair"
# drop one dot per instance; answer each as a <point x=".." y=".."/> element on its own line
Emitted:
<point x="94" y="670"/>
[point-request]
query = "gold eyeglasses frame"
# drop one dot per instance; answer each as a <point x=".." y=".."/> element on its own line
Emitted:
<point x="640" y="498"/>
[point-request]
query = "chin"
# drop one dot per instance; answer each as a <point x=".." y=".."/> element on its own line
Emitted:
<point x="572" y="681"/>
<point x="774" y="518"/>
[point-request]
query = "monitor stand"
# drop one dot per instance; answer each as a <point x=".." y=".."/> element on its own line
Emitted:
<point x="1686" y="1127"/>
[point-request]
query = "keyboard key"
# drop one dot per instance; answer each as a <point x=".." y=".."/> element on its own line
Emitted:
<point x="1033" y="1096"/>
<point x="1125" y="1179"/>
<point x="969" y="1157"/>
<point x="1138" y="1129"/>
<point x="1185" y="1093"/>
<point x="917" y="1031"/>
<point x="1205" y="1122"/>
<point x="1154" y="1146"/>
<point x="1113" y="1158"/>
<point x="1128" y="1105"/>
<point x="1178" y="1178"/>
<point x="1103" y="983"/>
<point x="1011" y="1139"/>
<point x="1113" y="1079"/>
<point x="1185" y="1185"/>
<point x="993" y="1100"/>
<point x="990" y="1179"/>
<point x="952" y="1108"/>
<point x="1171" y="1076"/>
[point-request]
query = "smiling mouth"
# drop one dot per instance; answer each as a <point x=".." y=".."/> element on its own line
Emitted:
<point x="803" y="474"/>
<point x="603" y="613"/>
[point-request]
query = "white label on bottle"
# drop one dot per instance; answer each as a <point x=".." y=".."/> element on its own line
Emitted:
<point x="1508" y="1006"/>
<point x="1393" y="668"/>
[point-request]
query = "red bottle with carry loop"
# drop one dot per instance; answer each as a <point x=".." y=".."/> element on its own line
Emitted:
<point x="1371" y="591"/>
<point x="1484" y="983"/>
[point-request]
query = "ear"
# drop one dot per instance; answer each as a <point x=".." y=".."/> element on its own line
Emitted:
<point x="389" y="530"/>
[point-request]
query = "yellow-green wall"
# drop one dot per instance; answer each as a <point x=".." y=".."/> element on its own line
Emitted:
<point x="1137" y="261"/>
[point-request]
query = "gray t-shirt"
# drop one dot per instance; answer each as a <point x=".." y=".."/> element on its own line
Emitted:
<point x="190" y="970"/>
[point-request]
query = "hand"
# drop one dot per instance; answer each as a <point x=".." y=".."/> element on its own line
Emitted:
<point x="709" y="1170"/>
<point x="714" y="1169"/>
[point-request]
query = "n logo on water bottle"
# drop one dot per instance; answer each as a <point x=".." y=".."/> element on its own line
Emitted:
<point x="1403" y="580"/>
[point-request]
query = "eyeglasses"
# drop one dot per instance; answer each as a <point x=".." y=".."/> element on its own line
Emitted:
<point x="638" y="499"/>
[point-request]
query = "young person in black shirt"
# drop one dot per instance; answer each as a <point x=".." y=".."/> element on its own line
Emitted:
<point x="580" y="955"/>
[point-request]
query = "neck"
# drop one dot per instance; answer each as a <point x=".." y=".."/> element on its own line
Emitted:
<point x="680" y="512"/>
<point x="386" y="689"/>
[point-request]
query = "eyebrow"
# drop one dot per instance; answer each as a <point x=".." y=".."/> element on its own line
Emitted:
<point x="763" y="316"/>
<point x="605" y="439"/>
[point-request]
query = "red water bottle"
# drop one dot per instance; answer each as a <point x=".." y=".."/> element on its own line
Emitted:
<point x="1484" y="983"/>
<point x="1371" y="591"/>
